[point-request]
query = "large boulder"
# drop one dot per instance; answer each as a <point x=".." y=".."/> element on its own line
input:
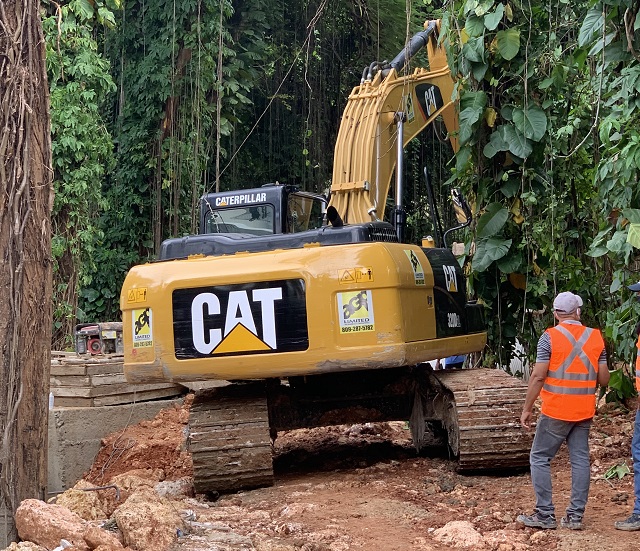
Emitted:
<point x="85" y="504"/>
<point x="460" y="534"/>
<point x="46" y="524"/>
<point x="148" y="521"/>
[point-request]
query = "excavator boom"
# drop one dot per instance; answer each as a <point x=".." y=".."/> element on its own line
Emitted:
<point x="365" y="152"/>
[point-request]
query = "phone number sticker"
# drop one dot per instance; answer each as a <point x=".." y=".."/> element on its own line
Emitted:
<point x="356" y="311"/>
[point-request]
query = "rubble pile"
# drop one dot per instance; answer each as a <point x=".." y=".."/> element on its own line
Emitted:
<point x="338" y="489"/>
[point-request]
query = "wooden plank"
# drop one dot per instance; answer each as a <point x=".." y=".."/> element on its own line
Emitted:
<point x="109" y="390"/>
<point x="63" y="402"/>
<point x="92" y="360"/>
<point x="127" y="398"/>
<point x="63" y="369"/>
<point x="69" y="380"/>
<point x="107" y="379"/>
<point x="138" y="396"/>
<point x="90" y="381"/>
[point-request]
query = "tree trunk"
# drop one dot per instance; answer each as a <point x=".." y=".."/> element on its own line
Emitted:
<point x="26" y="197"/>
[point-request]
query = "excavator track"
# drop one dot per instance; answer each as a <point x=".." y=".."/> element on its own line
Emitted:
<point x="229" y="439"/>
<point x="480" y="409"/>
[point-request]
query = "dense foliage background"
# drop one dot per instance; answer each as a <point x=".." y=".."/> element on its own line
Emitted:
<point x="155" y="102"/>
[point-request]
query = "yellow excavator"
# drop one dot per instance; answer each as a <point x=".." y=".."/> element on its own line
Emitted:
<point x="316" y="314"/>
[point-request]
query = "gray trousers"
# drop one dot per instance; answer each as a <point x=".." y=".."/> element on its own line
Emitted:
<point x="550" y="434"/>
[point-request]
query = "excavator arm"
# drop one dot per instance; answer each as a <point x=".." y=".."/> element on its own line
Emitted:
<point x="388" y="104"/>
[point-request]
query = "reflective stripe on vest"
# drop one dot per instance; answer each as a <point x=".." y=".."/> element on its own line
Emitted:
<point x="561" y="372"/>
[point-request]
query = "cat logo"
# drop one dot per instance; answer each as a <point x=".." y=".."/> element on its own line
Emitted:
<point x="253" y="318"/>
<point x="450" y="278"/>
<point x="239" y="333"/>
<point x="430" y="100"/>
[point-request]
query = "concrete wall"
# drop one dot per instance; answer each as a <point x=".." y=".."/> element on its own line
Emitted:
<point x="75" y="435"/>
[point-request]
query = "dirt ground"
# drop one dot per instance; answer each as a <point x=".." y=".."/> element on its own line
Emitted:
<point x="364" y="487"/>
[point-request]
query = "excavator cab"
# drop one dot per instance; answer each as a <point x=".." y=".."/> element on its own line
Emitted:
<point x="267" y="210"/>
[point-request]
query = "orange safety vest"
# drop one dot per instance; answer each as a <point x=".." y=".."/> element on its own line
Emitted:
<point x="569" y="389"/>
<point x="638" y="366"/>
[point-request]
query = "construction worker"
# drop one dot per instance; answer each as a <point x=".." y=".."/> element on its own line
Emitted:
<point x="571" y="361"/>
<point x="633" y="522"/>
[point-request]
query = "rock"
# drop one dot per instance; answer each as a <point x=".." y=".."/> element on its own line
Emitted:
<point x="97" y="537"/>
<point x="24" y="546"/>
<point x="140" y="478"/>
<point x="46" y="524"/>
<point x="183" y="487"/>
<point x="127" y="483"/>
<point x="460" y="533"/>
<point x="274" y="546"/>
<point x="84" y="504"/>
<point x="148" y="521"/>
<point x="296" y="509"/>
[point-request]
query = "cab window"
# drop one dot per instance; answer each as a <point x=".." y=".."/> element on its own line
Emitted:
<point x="254" y="220"/>
<point x="304" y="213"/>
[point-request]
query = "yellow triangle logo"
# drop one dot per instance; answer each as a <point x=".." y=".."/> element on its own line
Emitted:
<point x="240" y="339"/>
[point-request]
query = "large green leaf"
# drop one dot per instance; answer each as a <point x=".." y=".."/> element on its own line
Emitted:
<point x="479" y="70"/>
<point x="511" y="188"/>
<point x="510" y="263"/>
<point x="492" y="221"/>
<point x="633" y="215"/>
<point x="617" y="242"/>
<point x="507" y="112"/>
<point x="496" y="144"/>
<point x="633" y="236"/>
<point x="474" y="25"/>
<point x="84" y="9"/>
<point x="518" y="143"/>
<point x="599" y="44"/>
<point x="483" y="7"/>
<point x="488" y="250"/>
<point x="592" y="24"/>
<point x="472" y="106"/>
<point x="492" y="20"/>
<point x="474" y="99"/>
<point x="462" y="158"/>
<point x="508" y="43"/>
<point x="473" y="50"/>
<point x="468" y="118"/>
<point x="531" y="122"/>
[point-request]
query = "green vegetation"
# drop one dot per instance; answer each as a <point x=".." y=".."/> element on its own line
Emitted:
<point x="155" y="102"/>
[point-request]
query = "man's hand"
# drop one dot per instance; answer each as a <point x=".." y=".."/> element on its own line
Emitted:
<point x="536" y="382"/>
<point x="525" y="420"/>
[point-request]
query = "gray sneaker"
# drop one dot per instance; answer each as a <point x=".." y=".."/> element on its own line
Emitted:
<point x="630" y="525"/>
<point x="538" y="520"/>
<point x="572" y="522"/>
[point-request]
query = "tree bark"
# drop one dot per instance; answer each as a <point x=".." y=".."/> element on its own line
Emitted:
<point x="26" y="197"/>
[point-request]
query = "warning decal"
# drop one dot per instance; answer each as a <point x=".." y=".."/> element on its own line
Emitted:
<point x="416" y="266"/>
<point x="137" y="295"/>
<point x="409" y="110"/>
<point x="356" y="312"/>
<point x="142" y="330"/>
<point x="355" y="275"/>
